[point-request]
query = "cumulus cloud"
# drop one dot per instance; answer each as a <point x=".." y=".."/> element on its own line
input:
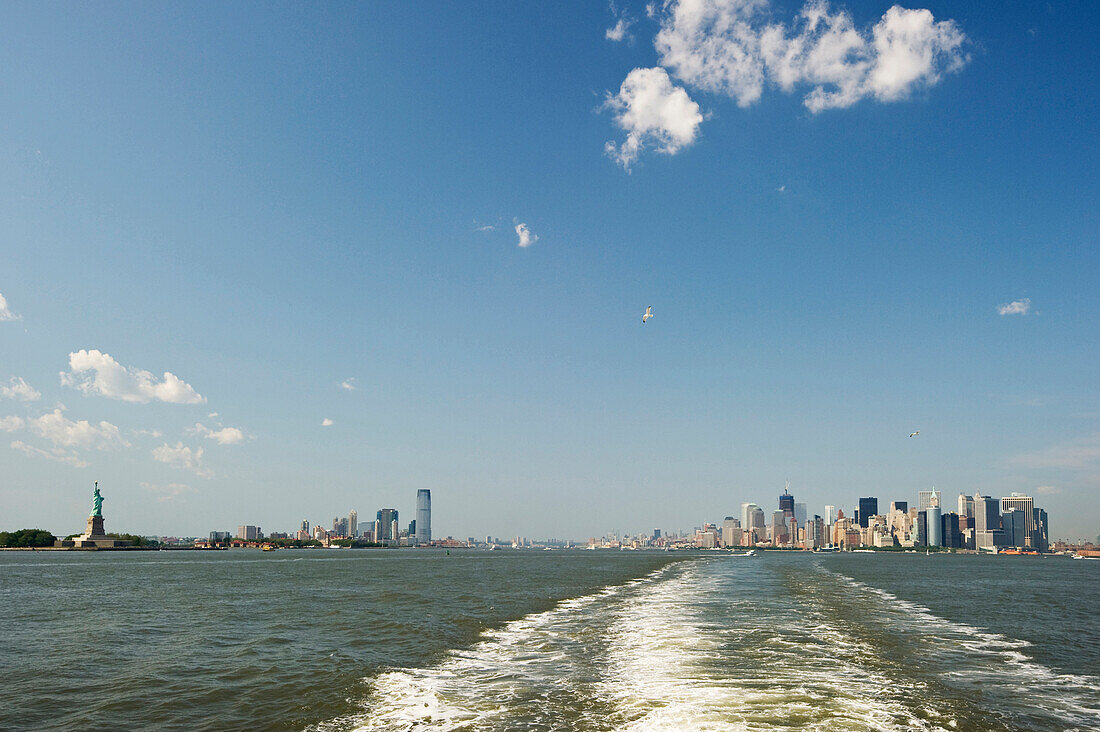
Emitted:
<point x="326" y="422"/>
<point x="735" y="49"/>
<point x="11" y="424"/>
<point x="57" y="454"/>
<point x="5" y="312"/>
<point x="222" y="435"/>
<point x="654" y="113"/>
<point x="1016" y="307"/>
<point x="182" y="457"/>
<point x="348" y="384"/>
<point x="63" y="432"/>
<point x="167" y="492"/>
<point x="17" y="388"/>
<point x="526" y="238"/>
<point x="93" y="372"/>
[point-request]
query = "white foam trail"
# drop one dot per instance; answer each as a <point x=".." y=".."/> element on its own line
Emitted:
<point x="528" y="670"/>
<point x="993" y="662"/>
<point x="673" y="668"/>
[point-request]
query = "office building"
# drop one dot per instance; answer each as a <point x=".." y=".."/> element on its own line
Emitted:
<point x="384" y="525"/>
<point x="829" y="512"/>
<point x="786" y="504"/>
<point x="305" y="526"/>
<point x="1027" y="505"/>
<point x="731" y="531"/>
<point x="966" y="506"/>
<point x="779" y="527"/>
<point x="868" y="507"/>
<point x="1014" y="522"/>
<point x="353" y="523"/>
<point x="1041" y="537"/>
<point x="747" y="512"/>
<point x="922" y="528"/>
<point x="424" y="516"/>
<point x="899" y="506"/>
<point x="656" y="534"/>
<point x="924" y="499"/>
<point x="249" y="533"/>
<point x="800" y="513"/>
<point x="815" y="533"/>
<point x="949" y="531"/>
<point x="935" y="525"/>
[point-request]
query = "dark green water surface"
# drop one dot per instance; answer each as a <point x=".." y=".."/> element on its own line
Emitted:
<point x="531" y="640"/>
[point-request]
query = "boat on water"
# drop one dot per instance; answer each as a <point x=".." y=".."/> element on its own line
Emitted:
<point x="749" y="553"/>
<point x="826" y="549"/>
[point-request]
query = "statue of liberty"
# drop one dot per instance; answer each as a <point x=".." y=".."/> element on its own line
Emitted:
<point x="97" y="501"/>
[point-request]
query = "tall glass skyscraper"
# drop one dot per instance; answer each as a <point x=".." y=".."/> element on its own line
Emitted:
<point x="423" y="516"/>
<point x="868" y="507"/>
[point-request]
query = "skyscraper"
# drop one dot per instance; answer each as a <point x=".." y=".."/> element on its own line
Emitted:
<point x="731" y="532"/>
<point x="746" y="514"/>
<point x="924" y="499"/>
<point x="1015" y="522"/>
<point x="786" y="504"/>
<point x="424" y="516"/>
<point x="1041" y="540"/>
<point x="966" y="506"/>
<point x="1027" y="505"/>
<point x="868" y="507"/>
<point x="387" y="518"/>
<point x="800" y="513"/>
<point x="829" y="511"/>
<point x="353" y="524"/>
<point x="935" y="524"/>
<point x="950" y="530"/>
<point x="987" y="523"/>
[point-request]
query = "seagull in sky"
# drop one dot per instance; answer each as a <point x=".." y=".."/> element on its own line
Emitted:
<point x="648" y="314"/>
<point x="914" y="434"/>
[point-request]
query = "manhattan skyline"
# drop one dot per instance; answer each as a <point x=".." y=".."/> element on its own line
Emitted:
<point x="265" y="262"/>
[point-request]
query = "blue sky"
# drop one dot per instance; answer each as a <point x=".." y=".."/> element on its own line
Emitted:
<point x="268" y="200"/>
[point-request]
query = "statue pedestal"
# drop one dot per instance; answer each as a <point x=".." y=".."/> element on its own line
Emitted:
<point x="94" y="537"/>
<point x="95" y="528"/>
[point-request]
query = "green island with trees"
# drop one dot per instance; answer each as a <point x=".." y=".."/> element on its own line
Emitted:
<point x="24" y="538"/>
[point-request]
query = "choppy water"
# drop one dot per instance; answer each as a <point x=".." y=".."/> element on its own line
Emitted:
<point x="414" y="640"/>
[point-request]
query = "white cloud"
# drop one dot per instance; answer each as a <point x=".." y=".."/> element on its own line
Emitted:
<point x="735" y="49"/>
<point x="486" y="227"/>
<point x="1082" y="454"/>
<point x="17" y="388"/>
<point x="1047" y="490"/>
<point x="348" y="384"/>
<point x="654" y="113"/>
<point x="57" y="454"/>
<point x="182" y="457"/>
<point x="619" y="31"/>
<point x="11" y="424"/>
<point x="326" y="422"/>
<point x="526" y="238"/>
<point x="150" y="433"/>
<point x="93" y="372"/>
<point x="5" y="312"/>
<point x="1016" y="307"/>
<point x="222" y="435"/>
<point x="167" y="492"/>
<point x="781" y="188"/>
<point x="64" y="432"/>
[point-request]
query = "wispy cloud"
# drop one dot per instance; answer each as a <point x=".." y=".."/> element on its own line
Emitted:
<point x="17" y="388"/>
<point x="620" y="31"/>
<point x="182" y="457"/>
<point x="655" y="113"/>
<point x="734" y="49"/>
<point x="348" y="384"/>
<point x="5" y="312"/>
<point x="167" y="492"/>
<point x="1016" y="307"/>
<point x="485" y="227"/>
<point x="526" y="238"/>
<point x="56" y="454"/>
<point x="1079" y="454"/>
<point x="93" y="372"/>
<point x="1047" y="490"/>
<point x="326" y="422"/>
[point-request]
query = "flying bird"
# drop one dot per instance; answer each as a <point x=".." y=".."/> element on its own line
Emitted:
<point x="648" y="314"/>
<point x="914" y="434"/>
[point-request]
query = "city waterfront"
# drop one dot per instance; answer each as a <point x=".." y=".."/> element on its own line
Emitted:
<point x="605" y="640"/>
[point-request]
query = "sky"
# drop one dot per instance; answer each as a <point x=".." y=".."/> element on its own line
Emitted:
<point x="267" y="262"/>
